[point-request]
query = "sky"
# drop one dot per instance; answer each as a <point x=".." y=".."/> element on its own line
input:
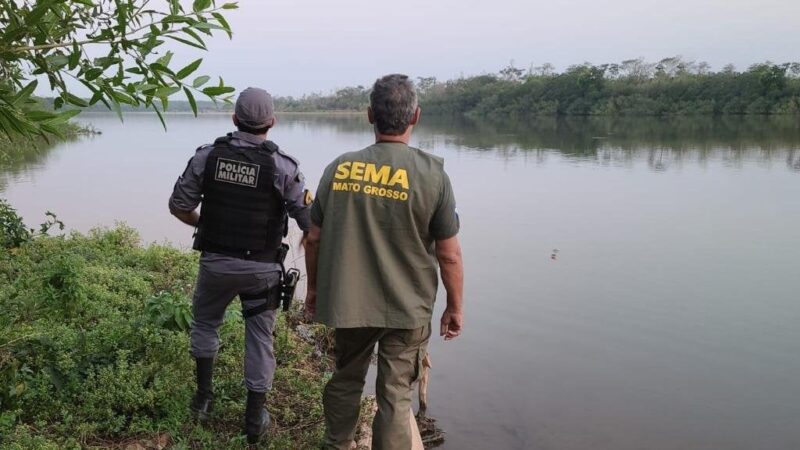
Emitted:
<point x="295" y="47"/>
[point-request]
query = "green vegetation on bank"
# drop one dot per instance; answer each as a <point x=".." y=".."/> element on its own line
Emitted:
<point x="12" y="150"/>
<point x="94" y="349"/>
<point x="671" y="87"/>
<point x="634" y="87"/>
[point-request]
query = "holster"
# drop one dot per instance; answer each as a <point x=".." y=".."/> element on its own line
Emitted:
<point x="273" y="301"/>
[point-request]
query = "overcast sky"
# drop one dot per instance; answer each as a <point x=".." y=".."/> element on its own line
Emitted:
<point x="292" y="47"/>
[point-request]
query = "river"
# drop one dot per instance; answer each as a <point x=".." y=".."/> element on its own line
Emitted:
<point x="668" y="317"/>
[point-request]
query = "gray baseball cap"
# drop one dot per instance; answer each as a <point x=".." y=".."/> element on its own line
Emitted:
<point x="254" y="108"/>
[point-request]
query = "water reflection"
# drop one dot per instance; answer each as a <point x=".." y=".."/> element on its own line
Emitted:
<point x="19" y="157"/>
<point x="663" y="142"/>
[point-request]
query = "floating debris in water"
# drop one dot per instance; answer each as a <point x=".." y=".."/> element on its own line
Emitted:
<point x="554" y="255"/>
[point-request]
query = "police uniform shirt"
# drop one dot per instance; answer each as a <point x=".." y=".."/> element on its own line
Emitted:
<point x="381" y="210"/>
<point x="289" y="182"/>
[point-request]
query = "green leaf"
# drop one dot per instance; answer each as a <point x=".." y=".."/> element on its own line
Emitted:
<point x="186" y="42"/>
<point x="189" y="69"/>
<point x="224" y="23"/>
<point x="63" y="117"/>
<point x="160" y="117"/>
<point x="175" y="7"/>
<point x="230" y="6"/>
<point x="75" y="56"/>
<point x="146" y="87"/>
<point x="162" y="68"/>
<point x="215" y="91"/>
<point x="201" y="80"/>
<point x="166" y="91"/>
<point x="25" y="93"/>
<point x="117" y="109"/>
<point x="107" y="61"/>
<point x="58" y="102"/>
<point x="207" y="26"/>
<point x="58" y="60"/>
<point x="38" y="116"/>
<point x="93" y="73"/>
<point x="38" y="12"/>
<point x="200" y="5"/>
<point x="123" y="98"/>
<point x="165" y="60"/>
<point x="96" y="98"/>
<point x="75" y="100"/>
<point x="190" y="97"/>
<point x="176" y="19"/>
<point x="194" y="35"/>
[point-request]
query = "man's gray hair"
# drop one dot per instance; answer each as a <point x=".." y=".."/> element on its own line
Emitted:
<point x="393" y="101"/>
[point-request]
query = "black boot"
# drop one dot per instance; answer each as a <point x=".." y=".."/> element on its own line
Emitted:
<point x="204" y="398"/>
<point x="256" y="417"/>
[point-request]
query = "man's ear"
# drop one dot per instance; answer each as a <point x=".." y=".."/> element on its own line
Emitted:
<point x="370" y="116"/>
<point x="415" y="119"/>
<point x="274" y="121"/>
<point x="235" y="119"/>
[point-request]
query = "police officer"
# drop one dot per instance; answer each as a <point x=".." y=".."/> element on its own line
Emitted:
<point x="246" y="187"/>
<point x="383" y="218"/>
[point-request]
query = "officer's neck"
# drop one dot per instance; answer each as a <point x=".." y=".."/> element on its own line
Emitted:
<point x="397" y="138"/>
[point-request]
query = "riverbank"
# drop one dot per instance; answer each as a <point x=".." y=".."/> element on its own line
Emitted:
<point x="20" y="147"/>
<point x="94" y="350"/>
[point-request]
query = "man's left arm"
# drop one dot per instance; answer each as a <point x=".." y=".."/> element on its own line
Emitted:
<point x="297" y="199"/>
<point x="312" y="257"/>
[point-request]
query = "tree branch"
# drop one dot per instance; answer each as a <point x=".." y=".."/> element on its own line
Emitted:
<point x="25" y="49"/>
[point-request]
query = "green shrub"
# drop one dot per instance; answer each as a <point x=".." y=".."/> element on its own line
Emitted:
<point x="94" y="350"/>
<point x="12" y="230"/>
<point x="170" y="311"/>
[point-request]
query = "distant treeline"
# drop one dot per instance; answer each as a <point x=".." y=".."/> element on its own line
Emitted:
<point x="670" y="87"/>
<point x="635" y="87"/>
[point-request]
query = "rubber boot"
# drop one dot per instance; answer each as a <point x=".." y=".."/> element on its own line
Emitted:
<point x="256" y="417"/>
<point x="203" y="401"/>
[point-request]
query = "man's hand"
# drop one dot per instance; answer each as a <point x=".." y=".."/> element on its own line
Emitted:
<point x="191" y="218"/>
<point x="448" y="253"/>
<point x="311" y="306"/>
<point x="452" y="321"/>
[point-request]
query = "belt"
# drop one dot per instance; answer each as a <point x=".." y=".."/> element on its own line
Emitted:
<point x="269" y="256"/>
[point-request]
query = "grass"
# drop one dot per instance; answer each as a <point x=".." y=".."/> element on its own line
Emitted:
<point x="86" y="363"/>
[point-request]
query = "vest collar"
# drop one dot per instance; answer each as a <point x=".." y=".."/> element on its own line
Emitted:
<point x="247" y="137"/>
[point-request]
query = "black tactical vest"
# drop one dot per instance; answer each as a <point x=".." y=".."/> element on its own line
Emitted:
<point x="242" y="213"/>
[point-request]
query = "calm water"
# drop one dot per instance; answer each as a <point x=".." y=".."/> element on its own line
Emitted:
<point x="669" y="320"/>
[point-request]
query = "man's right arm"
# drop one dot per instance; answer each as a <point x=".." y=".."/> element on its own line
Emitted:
<point x="188" y="190"/>
<point x="448" y="253"/>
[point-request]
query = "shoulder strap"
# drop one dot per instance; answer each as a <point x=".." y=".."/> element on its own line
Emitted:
<point x="223" y="140"/>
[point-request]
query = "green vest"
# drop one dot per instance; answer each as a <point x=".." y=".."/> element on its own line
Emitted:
<point x="381" y="210"/>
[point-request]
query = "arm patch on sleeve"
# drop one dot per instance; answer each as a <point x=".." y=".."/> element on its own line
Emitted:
<point x="308" y="198"/>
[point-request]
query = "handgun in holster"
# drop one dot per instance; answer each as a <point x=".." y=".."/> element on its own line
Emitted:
<point x="289" y="279"/>
<point x="275" y="296"/>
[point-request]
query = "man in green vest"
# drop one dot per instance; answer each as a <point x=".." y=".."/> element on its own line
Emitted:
<point x="383" y="218"/>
